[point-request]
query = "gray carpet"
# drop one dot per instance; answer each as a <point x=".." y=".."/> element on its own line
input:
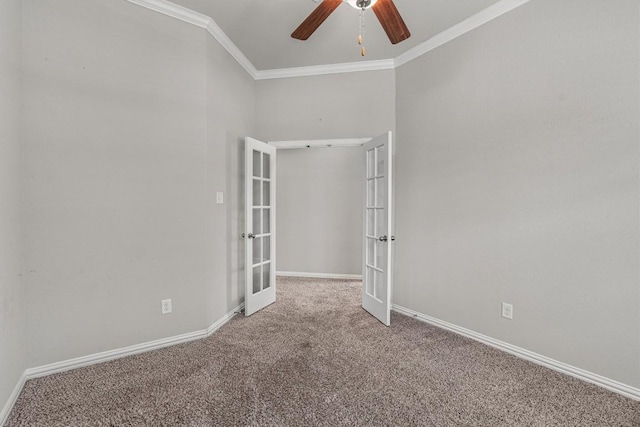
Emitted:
<point x="316" y="358"/>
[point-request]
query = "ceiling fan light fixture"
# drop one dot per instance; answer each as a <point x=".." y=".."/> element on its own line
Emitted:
<point x="361" y="4"/>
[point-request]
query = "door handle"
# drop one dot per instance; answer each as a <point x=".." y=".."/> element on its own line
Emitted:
<point x="251" y="236"/>
<point x="384" y="238"/>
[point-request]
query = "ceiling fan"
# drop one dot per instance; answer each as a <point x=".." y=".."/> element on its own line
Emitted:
<point x="385" y="10"/>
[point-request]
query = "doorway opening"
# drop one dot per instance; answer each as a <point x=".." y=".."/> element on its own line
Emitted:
<point x="334" y="215"/>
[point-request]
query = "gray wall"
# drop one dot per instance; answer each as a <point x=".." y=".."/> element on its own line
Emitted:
<point x="319" y="217"/>
<point x="348" y="105"/>
<point x="122" y="161"/>
<point x="230" y="117"/>
<point x="517" y="181"/>
<point x="12" y="301"/>
<point x="327" y="180"/>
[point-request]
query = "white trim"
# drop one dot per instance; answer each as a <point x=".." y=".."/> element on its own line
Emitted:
<point x="471" y="23"/>
<point x="192" y="17"/>
<point x="318" y="70"/>
<point x="13" y="397"/>
<point x="599" y="380"/>
<point x="187" y="15"/>
<point x="108" y="355"/>
<point x="105" y="356"/>
<point x="224" y="319"/>
<point x="175" y="11"/>
<point x="233" y="50"/>
<point x="319" y="275"/>
<point x="319" y="143"/>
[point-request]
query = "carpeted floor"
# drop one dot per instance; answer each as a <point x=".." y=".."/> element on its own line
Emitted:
<point x="315" y="358"/>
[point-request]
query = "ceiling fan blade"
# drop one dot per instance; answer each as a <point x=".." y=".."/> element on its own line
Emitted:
<point x="316" y="18"/>
<point x="391" y="21"/>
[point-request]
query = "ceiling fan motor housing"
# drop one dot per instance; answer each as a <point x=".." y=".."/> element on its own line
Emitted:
<point x="361" y="4"/>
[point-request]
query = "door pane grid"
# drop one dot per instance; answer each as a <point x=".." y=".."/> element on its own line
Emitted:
<point x="262" y="192"/>
<point x="374" y="274"/>
<point x="260" y="238"/>
<point x="377" y="256"/>
<point x="375" y="222"/>
<point x="378" y="250"/>
<point x="261" y="244"/>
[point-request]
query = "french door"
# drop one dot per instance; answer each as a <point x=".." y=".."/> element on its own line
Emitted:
<point x="377" y="257"/>
<point x="260" y="225"/>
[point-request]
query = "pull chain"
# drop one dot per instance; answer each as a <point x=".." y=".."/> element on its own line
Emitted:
<point x="363" y="52"/>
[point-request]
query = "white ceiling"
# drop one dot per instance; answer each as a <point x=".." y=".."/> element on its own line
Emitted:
<point x="261" y="29"/>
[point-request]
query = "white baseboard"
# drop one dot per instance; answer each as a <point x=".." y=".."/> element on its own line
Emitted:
<point x="105" y="356"/>
<point x="319" y="275"/>
<point x="13" y="397"/>
<point x="599" y="380"/>
<point x="224" y="319"/>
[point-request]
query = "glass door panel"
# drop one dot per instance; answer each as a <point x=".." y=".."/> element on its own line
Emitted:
<point x="257" y="199"/>
<point x="257" y="163"/>
<point x="257" y="250"/>
<point x="257" y="224"/>
<point x="256" y="285"/>
<point x="266" y="220"/>
<point x="266" y="165"/>
<point x="266" y="276"/>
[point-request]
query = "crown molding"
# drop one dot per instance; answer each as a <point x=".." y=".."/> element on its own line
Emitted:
<point x="230" y="46"/>
<point x="192" y="17"/>
<point x="175" y="11"/>
<point x="469" y="24"/>
<point x="316" y="70"/>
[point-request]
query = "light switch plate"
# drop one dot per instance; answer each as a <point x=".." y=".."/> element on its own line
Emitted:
<point x="219" y="197"/>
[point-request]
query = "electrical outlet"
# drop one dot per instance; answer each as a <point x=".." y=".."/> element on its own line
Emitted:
<point x="507" y="310"/>
<point x="166" y="306"/>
